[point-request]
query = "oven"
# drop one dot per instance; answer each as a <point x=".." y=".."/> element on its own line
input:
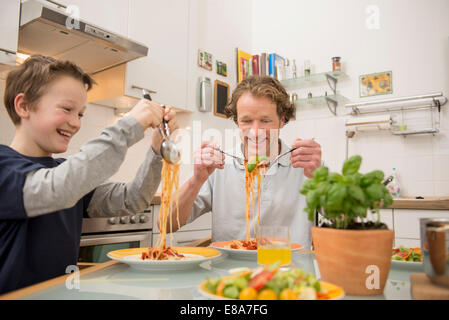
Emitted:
<point x="101" y="235"/>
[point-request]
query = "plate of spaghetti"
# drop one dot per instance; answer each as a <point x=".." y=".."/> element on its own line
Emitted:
<point x="173" y="258"/>
<point x="163" y="255"/>
<point x="243" y="249"/>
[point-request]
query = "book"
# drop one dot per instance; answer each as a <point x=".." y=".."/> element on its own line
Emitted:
<point x="256" y="64"/>
<point x="276" y="62"/>
<point x="263" y="62"/>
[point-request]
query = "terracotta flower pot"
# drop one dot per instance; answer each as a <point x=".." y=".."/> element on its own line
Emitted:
<point x="357" y="260"/>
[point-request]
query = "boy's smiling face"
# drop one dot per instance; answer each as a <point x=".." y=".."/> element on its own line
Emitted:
<point x="56" y="117"/>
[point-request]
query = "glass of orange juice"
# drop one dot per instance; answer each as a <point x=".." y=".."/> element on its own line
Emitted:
<point x="273" y="244"/>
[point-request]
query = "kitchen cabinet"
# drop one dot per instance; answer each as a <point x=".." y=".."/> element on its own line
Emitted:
<point x="108" y="14"/>
<point x="406" y="224"/>
<point x="199" y="229"/>
<point x="163" y="72"/>
<point x="163" y="27"/>
<point x="9" y="34"/>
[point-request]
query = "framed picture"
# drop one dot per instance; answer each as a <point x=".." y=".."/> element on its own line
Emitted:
<point x="221" y="98"/>
<point x="204" y="60"/>
<point x="376" y="84"/>
<point x="222" y="69"/>
<point x="244" y="65"/>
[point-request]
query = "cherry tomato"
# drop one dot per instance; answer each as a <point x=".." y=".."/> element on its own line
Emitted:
<point x="267" y="294"/>
<point x="288" y="294"/>
<point x="248" y="293"/>
<point x="260" y="279"/>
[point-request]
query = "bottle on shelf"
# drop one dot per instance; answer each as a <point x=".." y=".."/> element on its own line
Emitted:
<point x="393" y="184"/>
<point x="294" y="74"/>
<point x="307" y="68"/>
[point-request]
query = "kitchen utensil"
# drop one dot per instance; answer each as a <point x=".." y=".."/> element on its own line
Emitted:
<point x="240" y="160"/>
<point x="169" y="150"/>
<point x="435" y="249"/>
<point x="281" y="155"/>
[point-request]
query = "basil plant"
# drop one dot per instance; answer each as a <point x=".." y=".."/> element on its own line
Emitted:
<point x="344" y="199"/>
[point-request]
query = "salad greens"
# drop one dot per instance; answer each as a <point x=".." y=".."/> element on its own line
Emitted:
<point x="293" y="283"/>
<point x="404" y="253"/>
<point x="343" y="199"/>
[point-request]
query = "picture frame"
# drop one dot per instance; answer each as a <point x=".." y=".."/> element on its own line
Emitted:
<point x="244" y="65"/>
<point x="375" y="84"/>
<point x="205" y="59"/>
<point x="222" y="68"/>
<point x="221" y="98"/>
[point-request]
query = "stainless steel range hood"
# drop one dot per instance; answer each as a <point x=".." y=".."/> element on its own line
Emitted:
<point x="46" y="28"/>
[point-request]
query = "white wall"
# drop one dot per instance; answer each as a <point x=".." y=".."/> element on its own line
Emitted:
<point x="412" y="41"/>
<point x="215" y="26"/>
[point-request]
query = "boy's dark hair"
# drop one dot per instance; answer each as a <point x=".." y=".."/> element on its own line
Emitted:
<point x="33" y="77"/>
<point x="263" y="86"/>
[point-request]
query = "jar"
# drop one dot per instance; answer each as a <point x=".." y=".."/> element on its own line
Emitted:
<point x="336" y="65"/>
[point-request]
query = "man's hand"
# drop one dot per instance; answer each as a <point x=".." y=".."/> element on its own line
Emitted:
<point x="206" y="160"/>
<point x="170" y="117"/>
<point x="307" y="156"/>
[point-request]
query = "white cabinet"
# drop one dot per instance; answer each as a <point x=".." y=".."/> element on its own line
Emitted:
<point x="163" y="27"/>
<point x="111" y="15"/>
<point x="407" y="227"/>
<point x="9" y="34"/>
<point x="199" y="229"/>
<point x="406" y="221"/>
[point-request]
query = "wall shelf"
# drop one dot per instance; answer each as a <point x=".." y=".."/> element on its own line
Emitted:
<point x="330" y="77"/>
<point x="300" y="82"/>
<point x="432" y="102"/>
<point x="331" y="100"/>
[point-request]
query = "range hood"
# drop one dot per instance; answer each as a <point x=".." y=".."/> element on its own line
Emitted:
<point x="47" y="29"/>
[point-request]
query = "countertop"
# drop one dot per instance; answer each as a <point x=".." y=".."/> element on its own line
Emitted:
<point x="114" y="280"/>
<point x="428" y="203"/>
<point x="156" y="199"/>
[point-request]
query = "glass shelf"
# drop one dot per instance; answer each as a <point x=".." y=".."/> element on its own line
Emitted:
<point x="409" y="132"/>
<point x="332" y="101"/>
<point x="312" y="79"/>
<point x="321" y="100"/>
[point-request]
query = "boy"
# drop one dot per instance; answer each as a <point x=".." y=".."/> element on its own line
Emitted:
<point x="260" y="107"/>
<point x="42" y="199"/>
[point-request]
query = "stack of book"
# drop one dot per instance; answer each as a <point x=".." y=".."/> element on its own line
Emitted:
<point x="270" y="64"/>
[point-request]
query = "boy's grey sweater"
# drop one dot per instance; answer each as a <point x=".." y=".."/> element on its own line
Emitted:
<point x="49" y="190"/>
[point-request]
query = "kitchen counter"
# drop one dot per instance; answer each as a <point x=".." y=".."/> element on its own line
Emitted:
<point x="156" y="199"/>
<point x="428" y="203"/>
<point x="114" y="280"/>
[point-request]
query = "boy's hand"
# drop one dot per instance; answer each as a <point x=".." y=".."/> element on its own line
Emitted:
<point x="170" y="117"/>
<point x="206" y="160"/>
<point x="147" y="113"/>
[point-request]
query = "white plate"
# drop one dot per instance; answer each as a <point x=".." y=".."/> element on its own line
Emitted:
<point x="243" y="254"/>
<point x="132" y="257"/>
<point x="408" y="265"/>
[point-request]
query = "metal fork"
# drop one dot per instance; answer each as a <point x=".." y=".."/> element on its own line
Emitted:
<point x="283" y="154"/>
<point x="240" y="160"/>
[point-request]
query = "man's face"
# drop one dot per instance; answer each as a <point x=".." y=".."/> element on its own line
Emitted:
<point x="57" y="117"/>
<point x="259" y="125"/>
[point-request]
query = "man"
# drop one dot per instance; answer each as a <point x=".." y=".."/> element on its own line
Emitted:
<point x="260" y="107"/>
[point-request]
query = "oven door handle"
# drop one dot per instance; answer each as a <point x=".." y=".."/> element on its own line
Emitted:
<point x="94" y="240"/>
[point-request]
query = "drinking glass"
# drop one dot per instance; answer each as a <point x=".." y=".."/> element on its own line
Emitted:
<point x="273" y="244"/>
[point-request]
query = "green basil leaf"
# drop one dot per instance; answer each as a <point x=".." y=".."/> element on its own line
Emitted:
<point x="352" y="165"/>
